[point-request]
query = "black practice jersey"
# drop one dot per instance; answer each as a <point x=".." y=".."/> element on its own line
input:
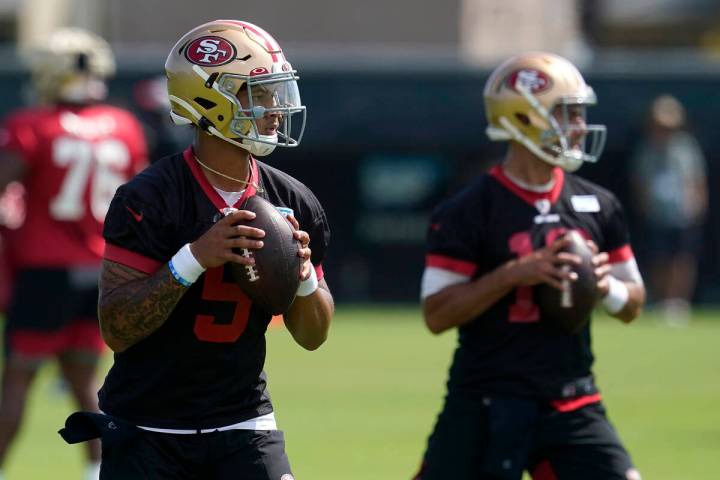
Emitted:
<point x="203" y="368"/>
<point x="508" y="348"/>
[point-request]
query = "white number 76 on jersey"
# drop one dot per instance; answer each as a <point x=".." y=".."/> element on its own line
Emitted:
<point x="99" y="166"/>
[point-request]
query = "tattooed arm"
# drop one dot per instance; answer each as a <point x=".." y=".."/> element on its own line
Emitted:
<point x="133" y="304"/>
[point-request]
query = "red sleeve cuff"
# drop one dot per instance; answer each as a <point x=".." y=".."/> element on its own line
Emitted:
<point x="131" y="259"/>
<point x="621" y="254"/>
<point x="319" y="272"/>
<point x="462" y="267"/>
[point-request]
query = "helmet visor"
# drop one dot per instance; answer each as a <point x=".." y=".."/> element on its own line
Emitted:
<point x="268" y="107"/>
<point x="570" y="136"/>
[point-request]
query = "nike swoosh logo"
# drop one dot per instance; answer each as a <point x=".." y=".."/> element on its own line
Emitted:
<point x="137" y="216"/>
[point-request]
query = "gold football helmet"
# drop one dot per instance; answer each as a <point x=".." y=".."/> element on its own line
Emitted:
<point x="527" y="100"/>
<point x="71" y="65"/>
<point x="224" y="75"/>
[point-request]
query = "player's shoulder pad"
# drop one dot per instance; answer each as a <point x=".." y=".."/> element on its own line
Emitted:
<point x="291" y="191"/>
<point x="157" y="184"/>
<point x="581" y="186"/>
<point x="471" y="198"/>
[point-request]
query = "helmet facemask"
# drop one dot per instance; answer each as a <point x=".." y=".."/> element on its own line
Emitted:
<point x="567" y="140"/>
<point x="255" y="97"/>
<point x="563" y="142"/>
<point x="80" y="84"/>
<point x="263" y="94"/>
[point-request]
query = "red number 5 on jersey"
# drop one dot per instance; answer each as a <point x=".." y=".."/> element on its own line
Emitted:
<point x="207" y="328"/>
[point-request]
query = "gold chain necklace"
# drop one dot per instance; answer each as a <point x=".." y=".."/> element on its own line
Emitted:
<point x="244" y="182"/>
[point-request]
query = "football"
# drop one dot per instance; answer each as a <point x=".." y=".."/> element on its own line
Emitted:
<point x="272" y="282"/>
<point x="570" y="309"/>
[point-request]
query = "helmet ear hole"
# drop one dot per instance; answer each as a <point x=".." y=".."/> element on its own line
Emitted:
<point x="522" y="118"/>
<point x="82" y="62"/>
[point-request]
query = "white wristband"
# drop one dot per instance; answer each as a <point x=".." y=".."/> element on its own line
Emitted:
<point x="308" y="286"/>
<point x="185" y="267"/>
<point x="617" y="295"/>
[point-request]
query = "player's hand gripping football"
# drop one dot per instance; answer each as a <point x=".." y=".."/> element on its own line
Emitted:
<point x="304" y="251"/>
<point x="547" y="265"/>
<point x="601" y="263"/>
<point x="215" y="247"/>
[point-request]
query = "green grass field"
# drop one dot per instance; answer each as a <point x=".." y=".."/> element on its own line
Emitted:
<point x="362" y="406"/>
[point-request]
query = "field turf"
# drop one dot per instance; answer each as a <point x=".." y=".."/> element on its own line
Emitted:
<point x="361" y="407"/>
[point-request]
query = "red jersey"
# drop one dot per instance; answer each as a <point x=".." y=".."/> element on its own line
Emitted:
<point x="76" y="157"/>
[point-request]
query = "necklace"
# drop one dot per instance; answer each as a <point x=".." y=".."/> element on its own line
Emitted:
<point x="244" y="182"/>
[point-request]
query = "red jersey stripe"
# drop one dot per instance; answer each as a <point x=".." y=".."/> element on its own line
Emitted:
<point x="210" y="191"/>
<point x="621" y="254"/>
<point x="131" y="259"/>
<point x="531" y="197"/>
<point x="453" y="264"/>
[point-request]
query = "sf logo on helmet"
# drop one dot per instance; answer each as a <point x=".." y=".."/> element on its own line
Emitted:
<point x="210" y="51"/>
<point x="531" y="79"/>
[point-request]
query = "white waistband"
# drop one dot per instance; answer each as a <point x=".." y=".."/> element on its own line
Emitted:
<point x="263" y="422"/>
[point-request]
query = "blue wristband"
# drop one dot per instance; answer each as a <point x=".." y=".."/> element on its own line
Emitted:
<point x="177" y="276"/>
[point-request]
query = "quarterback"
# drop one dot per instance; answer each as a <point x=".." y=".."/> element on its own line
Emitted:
<point x="521" y="393"/>
<point x="187" y="394"/>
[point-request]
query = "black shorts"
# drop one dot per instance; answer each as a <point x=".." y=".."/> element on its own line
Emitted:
<point x="498" y="438"/>
<point x="53" y="311"/>
<point x="231" y="454"/>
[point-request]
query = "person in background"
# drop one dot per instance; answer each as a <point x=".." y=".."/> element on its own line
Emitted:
<point x="521" y="393"/>
<point x="69" y="152"/>
<point x="670" y="187"/>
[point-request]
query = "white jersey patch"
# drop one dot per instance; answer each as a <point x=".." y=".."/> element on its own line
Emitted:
<point x="585" y="203"/>
<point x="286" y="212"/>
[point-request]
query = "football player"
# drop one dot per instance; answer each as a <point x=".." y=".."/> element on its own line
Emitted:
<point x="70" y="153"/>
<point x="521" y="393"/>
<point x="187" y="387"/>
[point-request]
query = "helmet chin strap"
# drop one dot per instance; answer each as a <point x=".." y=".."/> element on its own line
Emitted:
<point x="258" y="149"/>
<point x="261" y="148"/>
